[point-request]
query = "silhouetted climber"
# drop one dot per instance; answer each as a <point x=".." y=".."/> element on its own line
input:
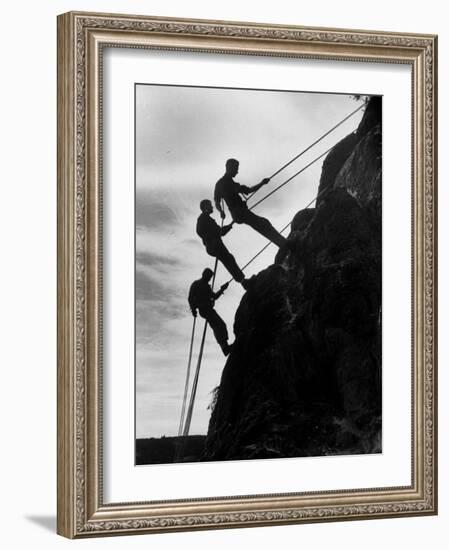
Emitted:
<point x="229" y="190"/>
<point x="210" y="232"/>
<point x="202" y="298"/>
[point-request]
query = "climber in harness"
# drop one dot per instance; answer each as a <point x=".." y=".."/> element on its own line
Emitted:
<point x="202" y="299"/>
<point x="211" y="233"/>
<point x="229" y="190"/>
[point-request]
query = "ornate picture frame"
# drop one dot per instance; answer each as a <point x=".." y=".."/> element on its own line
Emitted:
<point x="82" y="40"/>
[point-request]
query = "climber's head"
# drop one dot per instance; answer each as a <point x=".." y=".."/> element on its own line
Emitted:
<point x="207" y="274"/>
<point x="206" y="206"/>
<point x="232" y="167"/>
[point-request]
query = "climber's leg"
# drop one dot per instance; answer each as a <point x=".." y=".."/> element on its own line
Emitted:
<point x="218" y="327"/>
<point x="261" y="225"/>
<point x="227" y="259"/>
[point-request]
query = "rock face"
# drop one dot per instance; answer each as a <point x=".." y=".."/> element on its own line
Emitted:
<point x="304" y="374"/>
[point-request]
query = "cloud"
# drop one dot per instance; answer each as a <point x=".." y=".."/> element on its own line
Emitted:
<point x="150" y="259"/>
<point x="183" y="137"/>
<point x="153" y="213"/>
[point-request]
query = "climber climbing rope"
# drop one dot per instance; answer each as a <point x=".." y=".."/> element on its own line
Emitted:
<point x="241" y="213"/>
<point x="296" y="174"/>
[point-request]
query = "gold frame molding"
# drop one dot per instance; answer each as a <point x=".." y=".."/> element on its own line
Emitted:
<point x="81" y="37"/>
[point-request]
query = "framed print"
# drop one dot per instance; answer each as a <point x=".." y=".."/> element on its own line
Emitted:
<point x="246" y="274"/>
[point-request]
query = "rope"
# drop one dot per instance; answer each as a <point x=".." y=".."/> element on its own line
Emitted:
<point x="185" y="431"/>
<point x="290" y="178"/>
<point x="312" y="145"/>
<point x="195" y="384"/>
<point x="186" y="387"/>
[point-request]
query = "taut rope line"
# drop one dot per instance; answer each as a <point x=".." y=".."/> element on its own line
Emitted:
<point x="186" y="387"/>
<point x="291" y="177"/>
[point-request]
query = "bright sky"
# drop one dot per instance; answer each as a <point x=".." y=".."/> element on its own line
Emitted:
<point x="183" y="137"/>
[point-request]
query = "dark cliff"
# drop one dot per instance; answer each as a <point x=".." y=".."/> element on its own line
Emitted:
<point x="304" y="374"/>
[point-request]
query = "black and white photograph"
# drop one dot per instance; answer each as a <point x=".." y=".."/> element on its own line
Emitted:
<point x="258" y="274"/>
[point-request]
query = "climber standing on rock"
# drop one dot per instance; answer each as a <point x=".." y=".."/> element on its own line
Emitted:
<point x="229" y="190"/>
<point x="202" y="299"/>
